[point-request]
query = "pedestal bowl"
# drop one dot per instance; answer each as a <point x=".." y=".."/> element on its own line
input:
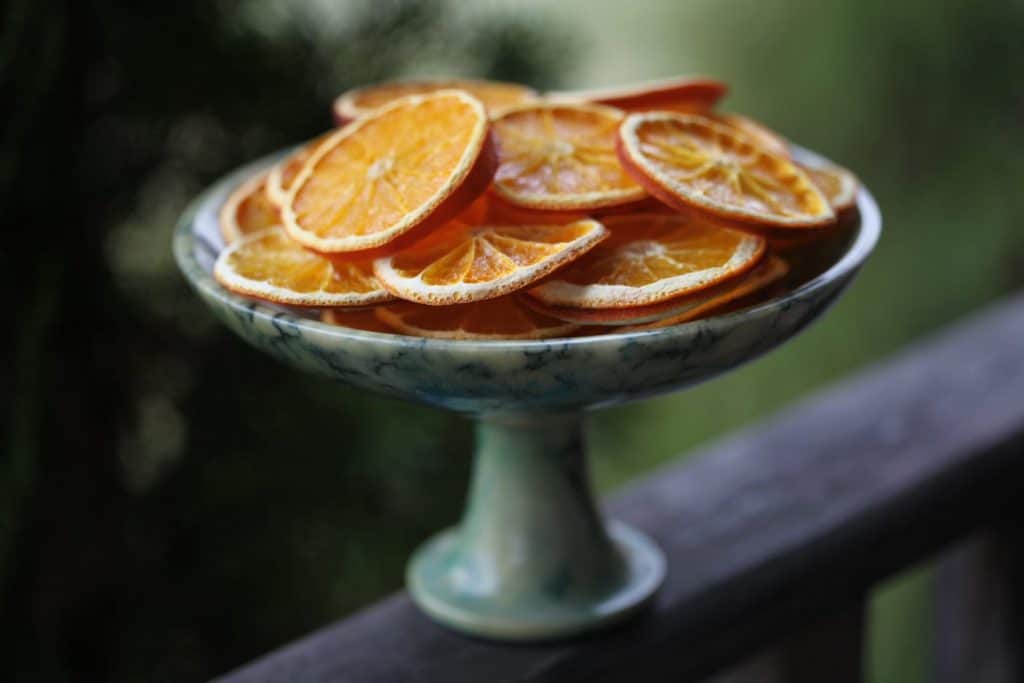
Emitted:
<point x="532" y="558"/>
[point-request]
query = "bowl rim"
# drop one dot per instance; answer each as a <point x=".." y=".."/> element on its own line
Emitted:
<point x="185" y="242"/>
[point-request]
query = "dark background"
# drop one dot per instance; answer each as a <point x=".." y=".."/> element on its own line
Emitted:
<point x="173" y="504"/>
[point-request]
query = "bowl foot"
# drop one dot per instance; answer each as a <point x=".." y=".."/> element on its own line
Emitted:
<point x="533" y="558"/>
<point x="443" y="589"/>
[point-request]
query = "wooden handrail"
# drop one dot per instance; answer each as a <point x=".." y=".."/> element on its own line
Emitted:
<point x="768" y="533"/>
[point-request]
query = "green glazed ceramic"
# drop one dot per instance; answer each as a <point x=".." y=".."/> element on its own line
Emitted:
<point x="533" y="558"/>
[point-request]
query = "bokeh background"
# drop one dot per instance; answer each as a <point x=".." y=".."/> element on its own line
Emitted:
<point x="173" y="503"/>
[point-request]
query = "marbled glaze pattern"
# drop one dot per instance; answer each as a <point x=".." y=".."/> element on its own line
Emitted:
<point x="499" y="377"/>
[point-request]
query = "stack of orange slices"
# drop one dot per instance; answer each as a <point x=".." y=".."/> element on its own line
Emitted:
<point x="466" y="209"/>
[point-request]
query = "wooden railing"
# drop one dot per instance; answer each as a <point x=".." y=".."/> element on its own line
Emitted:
<point x="776" y="535"/>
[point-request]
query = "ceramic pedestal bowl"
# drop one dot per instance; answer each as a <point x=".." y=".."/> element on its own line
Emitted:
<point x="532" y="558"/>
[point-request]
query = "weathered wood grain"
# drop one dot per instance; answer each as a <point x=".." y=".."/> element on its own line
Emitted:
<point x="767" y="532"/>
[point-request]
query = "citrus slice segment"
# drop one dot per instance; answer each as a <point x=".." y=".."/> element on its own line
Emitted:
<point x="683" y="93"/>
<point x="502" y="318"/>
<point x="759" y="133"/>
<point x="269" y="265"/>
<point x="693" y="162"/>
<point x="356" y="319"/>
<point x="463" y="263"/>
<point x="247" y="209"/>
<point x="493" y="94"/>
<point x="283" y="175"/>
<point x="770" y="270"/>
<point x="413" y="164"/>
<point x="649" y="258"/>
<point x="839" y="185"/>
<point x="500" y="212"/>
<point x="561" y="157"/>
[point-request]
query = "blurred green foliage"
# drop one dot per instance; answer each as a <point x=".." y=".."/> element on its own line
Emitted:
<point x="173" y="504"/>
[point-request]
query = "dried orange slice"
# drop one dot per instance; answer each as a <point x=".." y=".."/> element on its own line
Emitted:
<point x="412" y="164"/>
<point x="768" y="272"/>
<point x="759" y="133"/>
<point x="248" y="209"/>
<point x="771" y="269"/>
<point x="683" y="93"/>
<point x="693" y="162"/>
<point x="648" y="258"/>
<point x="283" y="175"/>
<point x="463" y="263"/>
<point x="561" y="157"/>
<point x="500" y="212"/>
<point x="269" y="265"/>
<point x="839" y="185"/>
<point x="494" y="95"/>
<point x="648" y="204"/>
<point x="356" y="319"/>
<point x="502" y="318"/>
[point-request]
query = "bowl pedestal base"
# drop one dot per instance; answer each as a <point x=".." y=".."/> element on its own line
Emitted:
<point x="532" y="558"/>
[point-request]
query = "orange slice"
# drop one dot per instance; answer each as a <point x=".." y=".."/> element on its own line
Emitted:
<point x="413" y="164"/>
<point x="283" y="175"/>
<point x="500" y="212"/>
<point x="494" y="95"/>
<point x="463" y="263"/>
<point x="502" y="318"/>
<point x="268" y="265"/>
<point x="684" y="93"/>
<point x="771" y="269"/>
<point x="561" y="157"/>
<point x="356" y="319"/>
<point x="650" y="258"/>
<point x="760" y="134"/>
<point x="248" y="209"/>
<point x="692" y="162"/>
<point x="839" y="185"/>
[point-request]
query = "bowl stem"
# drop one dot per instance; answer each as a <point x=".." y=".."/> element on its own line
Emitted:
<point x="532" y="558"/>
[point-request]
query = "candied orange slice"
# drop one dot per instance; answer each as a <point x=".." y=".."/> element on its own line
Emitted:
<point x="248" y="209"/>
<point x="771" y="269"/>
<point x="463" y="263"/>
<point x="502" y="318"/>
<point x="648" y="258"/>
<point x="356" y="319"/>
<point x="760" y="134"/>
<point x="683" y="93"/>
<point x="283" y="175"/>
<point x="494" y="95"/>
<point x="413" y="164"/>
<point x="561" y="157"/>
<point x="693" y="162"/>
<point x="269" y="265"/>
<point x="839" y="185"/>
